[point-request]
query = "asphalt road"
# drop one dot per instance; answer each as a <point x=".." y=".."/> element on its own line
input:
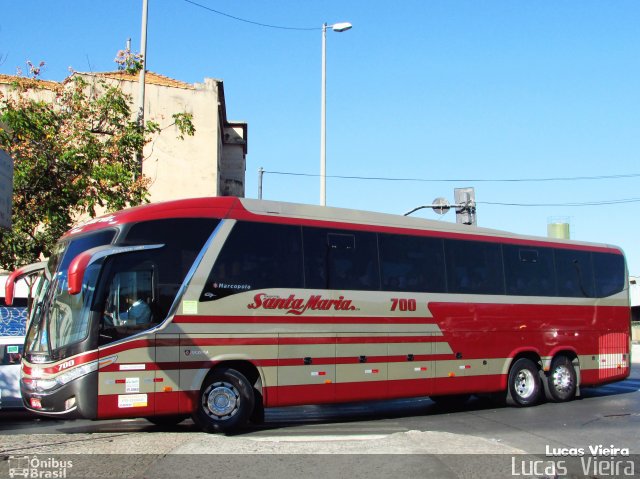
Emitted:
<point x="404" y="438"/>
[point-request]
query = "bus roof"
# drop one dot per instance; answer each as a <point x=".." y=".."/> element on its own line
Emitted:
<point x="311" y="215"/>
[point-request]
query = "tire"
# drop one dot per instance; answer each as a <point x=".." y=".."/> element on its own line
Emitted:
<point x="561" y="380"/>
<point x="225" y="402"/>
<point x="525" y="386"/>
<point x="257" y="416"/>
<point x="166" y="421"/>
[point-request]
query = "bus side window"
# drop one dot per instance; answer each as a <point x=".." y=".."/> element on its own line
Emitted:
<point x="130" y="299"/>
<point x="574" y="273"/>
<point x="609" y="271"/>
<point x="529" y="271"/>
<point x="344" y="260"/>
<point x="411" y="263"/>
<point x="256" y="256"/>
<point x="474" y="267"/>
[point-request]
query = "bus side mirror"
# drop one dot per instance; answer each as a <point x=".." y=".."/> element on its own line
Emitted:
<point x="10" y="285"/>
<point x="77" y="267"/>
<point x="79" y="264"/>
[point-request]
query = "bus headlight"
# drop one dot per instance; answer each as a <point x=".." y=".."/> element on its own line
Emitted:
<point x="75" y="373"/>
<point x="47" y="384"/>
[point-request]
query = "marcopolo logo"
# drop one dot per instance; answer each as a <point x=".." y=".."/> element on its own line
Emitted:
<point x="38" y="467"/>
<point x="298" y="306"/>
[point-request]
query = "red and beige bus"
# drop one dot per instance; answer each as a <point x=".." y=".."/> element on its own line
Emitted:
<point x="218" y="307"/>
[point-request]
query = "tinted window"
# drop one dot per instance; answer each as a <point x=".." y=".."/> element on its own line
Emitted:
<point x="140" y="287"/>
<point x="529" y="271"/>
<point x="77" y="246"/>
<point x="474" y="267"/>
<point x="609" y="271"/>
<point x="183" y="238"/>
<point x="136" y="294"/>
<point x="256" y="256"/>
<point x="410" y="263"/>
<point x="341" y="260"/>
<point x="574" y="273"/>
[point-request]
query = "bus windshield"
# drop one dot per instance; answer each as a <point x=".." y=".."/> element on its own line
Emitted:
<point x="60" y="319"/>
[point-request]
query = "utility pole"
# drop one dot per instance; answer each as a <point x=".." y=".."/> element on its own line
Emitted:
<point x="141" y="80"/>
<point x="260" y="175"/>
<point x="143" y="52"/>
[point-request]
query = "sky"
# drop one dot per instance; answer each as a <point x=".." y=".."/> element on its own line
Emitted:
<point x="445" y="93"/>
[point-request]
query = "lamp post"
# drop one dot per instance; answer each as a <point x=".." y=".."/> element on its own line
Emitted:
<point x="336" y="27"/>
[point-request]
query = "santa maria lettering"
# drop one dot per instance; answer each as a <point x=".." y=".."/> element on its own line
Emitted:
<point x="298" y="306"/>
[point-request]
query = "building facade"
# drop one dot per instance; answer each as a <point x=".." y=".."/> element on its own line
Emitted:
<point x="212" y="162"/>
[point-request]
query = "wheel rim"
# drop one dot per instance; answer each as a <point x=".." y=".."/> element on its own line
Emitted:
<point x="524" y="384"/>
<point x="221" y="400"/>
<point x="562" y="380"/>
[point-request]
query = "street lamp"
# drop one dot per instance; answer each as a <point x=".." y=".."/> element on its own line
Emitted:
<point x="336" y="27"/>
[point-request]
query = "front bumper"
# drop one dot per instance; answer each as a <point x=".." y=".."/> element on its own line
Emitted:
<point x="74" y="400"/>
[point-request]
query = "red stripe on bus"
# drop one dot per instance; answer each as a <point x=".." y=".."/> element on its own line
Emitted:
<point x="228" y="341"/>
<point x="216" y="341"/>
<point x="131" y="368"/>
<point x="127" y="346"/>
<point x="62" y="366"/>
<point x="441" y="310"/>
<point x="484" y="318"/>
<point x="297" y="320"/>
<point x="324" y="361"/>
<point x="376" y="390"/>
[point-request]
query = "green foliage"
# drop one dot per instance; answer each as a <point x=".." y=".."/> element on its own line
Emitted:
<point x="184" y="123"/>
<point x="77" y="155"/>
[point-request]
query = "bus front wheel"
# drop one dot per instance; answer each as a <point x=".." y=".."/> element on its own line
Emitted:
<point x="225" y="402"/>
<point x="525" y="386"/>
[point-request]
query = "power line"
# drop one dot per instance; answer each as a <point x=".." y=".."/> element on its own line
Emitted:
<point x="462" y="180"/>
<point x="250" y="21"/>
<point x="496" y="203"/>
<point x="546" y="205"/>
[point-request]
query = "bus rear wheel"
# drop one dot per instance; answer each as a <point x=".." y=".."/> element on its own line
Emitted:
<point x="525" y="386"/>
<point x="225" y="402"/>
<point x="561" y="380"/>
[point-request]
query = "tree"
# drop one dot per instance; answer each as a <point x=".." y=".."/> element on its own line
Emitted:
<point x="73" y="157"/>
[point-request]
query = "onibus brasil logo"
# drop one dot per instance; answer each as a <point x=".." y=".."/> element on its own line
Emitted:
<point x="298" y="306"/>
<point x="38" y="467"/>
